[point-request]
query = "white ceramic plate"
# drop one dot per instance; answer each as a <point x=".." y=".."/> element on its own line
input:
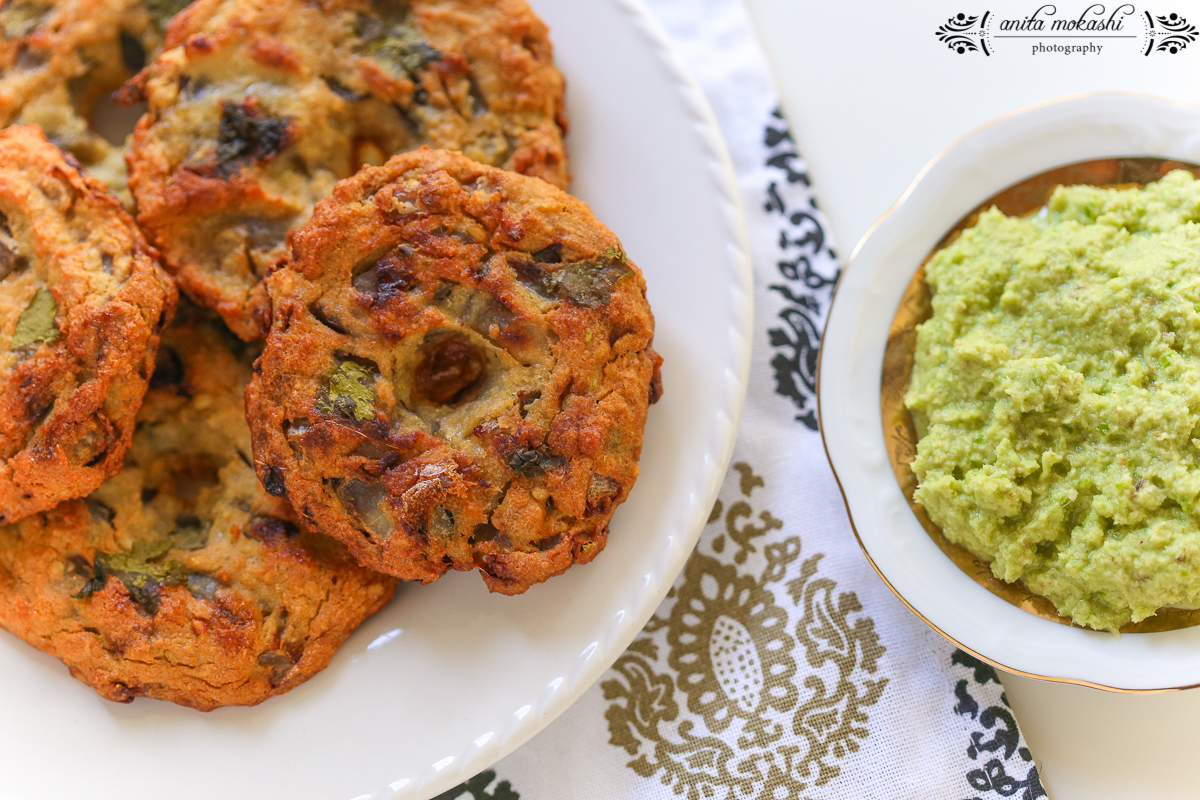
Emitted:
<point x="448" y="679"/>
<point x="881" y="267"/>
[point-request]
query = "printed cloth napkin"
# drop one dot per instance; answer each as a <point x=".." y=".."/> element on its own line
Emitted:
<point x="779" y="666"/>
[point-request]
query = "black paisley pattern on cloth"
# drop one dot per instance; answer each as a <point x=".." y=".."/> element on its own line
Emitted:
<point x="779" y="666"/>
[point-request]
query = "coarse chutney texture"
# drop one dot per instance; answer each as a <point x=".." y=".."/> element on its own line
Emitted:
<point x="1056" y="391"/>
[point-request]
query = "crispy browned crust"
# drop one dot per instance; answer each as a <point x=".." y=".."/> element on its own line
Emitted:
<point x="254" y="611"/>
<point x="67" y="406"/>
<point x="60" y="59"/>
<point x="431" y="264"/>
<point x="318" y="93"/>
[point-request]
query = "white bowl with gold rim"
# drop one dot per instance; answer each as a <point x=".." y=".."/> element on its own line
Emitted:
<point x="1016" y="158"/>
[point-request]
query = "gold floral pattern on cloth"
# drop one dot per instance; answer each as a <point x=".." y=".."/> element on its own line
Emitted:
<point x="753" y="679"/>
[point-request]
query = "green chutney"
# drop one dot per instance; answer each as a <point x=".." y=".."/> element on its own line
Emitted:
<point x="1056" y="392"/>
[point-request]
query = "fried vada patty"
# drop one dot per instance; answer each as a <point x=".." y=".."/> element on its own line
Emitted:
<point x="260" y="106"/>
<point x="82" y="304"/>
<point x="179" y="578"/>
<point x="60" y="62"/>
<point x="457" y="374"/>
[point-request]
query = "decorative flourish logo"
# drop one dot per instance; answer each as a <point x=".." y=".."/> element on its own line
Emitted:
<point x="716" y="707"/>
<point x="964" y="34"/>
<point x="1049" y="29"/>
<point x="1172" y="34"/>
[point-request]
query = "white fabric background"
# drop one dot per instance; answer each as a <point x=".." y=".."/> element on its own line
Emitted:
<point x="940" y="729"/>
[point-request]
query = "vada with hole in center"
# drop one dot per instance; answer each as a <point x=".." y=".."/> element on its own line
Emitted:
<point x="457" y="373"/>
